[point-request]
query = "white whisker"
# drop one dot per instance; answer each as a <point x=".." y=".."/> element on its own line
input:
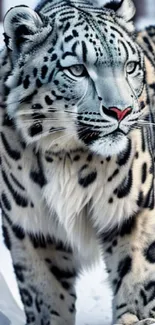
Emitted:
<point x="146" y="123"/>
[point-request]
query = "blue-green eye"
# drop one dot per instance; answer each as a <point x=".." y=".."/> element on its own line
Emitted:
<point x="131" y="67"/>
<point x="77" y="70"/>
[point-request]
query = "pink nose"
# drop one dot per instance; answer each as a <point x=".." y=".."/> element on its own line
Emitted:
<point x="121" y="114"/>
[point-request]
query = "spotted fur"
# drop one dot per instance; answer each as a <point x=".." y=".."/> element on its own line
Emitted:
<point x="77" y="147"/>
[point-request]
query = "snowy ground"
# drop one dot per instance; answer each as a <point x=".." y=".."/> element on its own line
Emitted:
<point x="94" y="295"/>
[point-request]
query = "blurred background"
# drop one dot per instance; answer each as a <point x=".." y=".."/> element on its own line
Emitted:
<point x="145" y="12"/>
<point x="94" y="303"/>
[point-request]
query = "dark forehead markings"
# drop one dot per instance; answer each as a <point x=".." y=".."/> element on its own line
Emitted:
<point x="67" y="26"/>
<point x="102" y="22"/>
<point x="68" y="54"/>
<point x="116" y="30"/>
<point x="68" y="38"/>
<point x="105" y="21"/>
<point x="50" y="50"/>
<point x="131" y="47"/>
<point x="53" y="57"/>
<point x="75" y="46"/>
<point x="86" y="28"/>
<point x="125" y="47"/>
<point x="84" y="51"/>
<point x="103" y="14"/>
<point x="62" y="47"/>
<point x="81" y="23"/>
<point x="52" y="16"/>
<point x="56" y="8"/>
<point x="70" y="12"/>
<point x="62" y="20"/>
<point x="44" y="71"/>
<point x="75" y="33"/>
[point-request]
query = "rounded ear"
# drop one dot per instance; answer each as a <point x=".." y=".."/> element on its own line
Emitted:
<point x="20" y="23"/>
<point x="125" y="10"/>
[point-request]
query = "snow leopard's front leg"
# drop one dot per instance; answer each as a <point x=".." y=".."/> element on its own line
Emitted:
<point x="130" y="261"/>
<point x="46" y="275"/>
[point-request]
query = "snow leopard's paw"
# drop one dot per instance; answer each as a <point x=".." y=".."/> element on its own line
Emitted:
<point x="147" y="321"/>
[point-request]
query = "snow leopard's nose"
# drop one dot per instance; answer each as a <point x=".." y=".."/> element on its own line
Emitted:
<point x="116" y="112"/>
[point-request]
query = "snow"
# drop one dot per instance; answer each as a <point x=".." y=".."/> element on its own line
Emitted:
<point x="94" y="294"/>
<point x="9" y="309"/>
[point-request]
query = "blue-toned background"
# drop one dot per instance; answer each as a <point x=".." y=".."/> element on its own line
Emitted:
<point x="94" y="295"/>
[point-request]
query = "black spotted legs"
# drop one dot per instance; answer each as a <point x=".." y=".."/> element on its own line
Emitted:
<point x="46" y="276"/>
<point x="130" y="261"/>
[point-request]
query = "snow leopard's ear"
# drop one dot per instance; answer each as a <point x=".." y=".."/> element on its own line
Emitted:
<point x="125" y="10"/>
<point x="20" y="24"/>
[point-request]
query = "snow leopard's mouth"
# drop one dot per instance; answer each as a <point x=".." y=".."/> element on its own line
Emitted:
<point x="90" y="136"/>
